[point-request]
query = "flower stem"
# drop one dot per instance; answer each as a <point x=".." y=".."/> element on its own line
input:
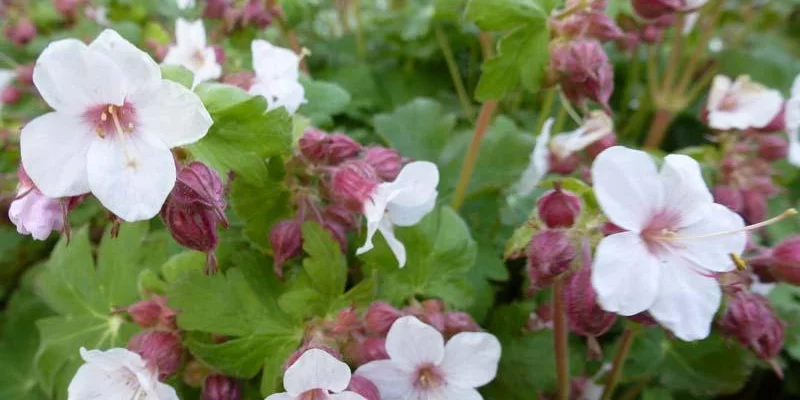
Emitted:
<point x="458" y="82"/>
<point x="674" y="54"/>
<point x="701" y="46"/>
<point x="360" y="40"/>
<point x="547" y="107"/>
<point x="658" y="129"/>
<point x="485" y="117"/>
<point x="619" y="361"/>
<point x="561" y="339"/>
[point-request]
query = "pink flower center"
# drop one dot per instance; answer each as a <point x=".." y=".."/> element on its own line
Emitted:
<point x="660" y="230"/>
<point x="109" y="119"/>
<point x="198" y="59"/>
<point x="428" y="377"/>
<point x="728" y="103"/>
<point x="314" y="394"/>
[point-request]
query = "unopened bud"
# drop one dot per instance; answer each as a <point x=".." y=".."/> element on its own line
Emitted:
<point x="730" y="197"/>
<point x="25" y="74"/>
<point x="32" y="212"/>
<point x="242" y="80"/>
<point x="192" y="227"/>
<point x="342" y="148"/>
<point x="584" y="71"/>
<point x="601" y="145"/>
<point x="386" y="162"/>
<point x="221" y="387"/>
<point x="10" y="95"/>
<point x="21" y="32"/>
<point x="755" y="206"/>
<point x="160" y="349"/>
<point x="563" y="166"/>
<point x="216" y="8"/>
<point x="346" y="322"/>
<point x="559" y="208"/>
<point x="364" y="387"/>
<point x="256" y="13"/>
<point x="651" y="33"/>
<point x="286" y="240"/>
<point x="457" y="322"/>
<point x="372" y="349"/>
<point x="67" y="8"/>
<point x="750" y="319"/>
<point x="353" y="183"/>
<point x="584" y="314"/>
<point x="380" y="316"/>
<point x="785" y="261"/>
<point x="314" y="145"/>
<point x="772" y="147"/>
<point x="199" y="185"/>
<point x="341" y="215"/>
<point x="653" y="9"/>
<point x="550" y="253"/>
<point x="153" y="312"/>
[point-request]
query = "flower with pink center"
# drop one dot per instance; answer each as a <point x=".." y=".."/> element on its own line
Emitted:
<point x="792" y="120"/>
<point x="741" y="104"/>
<point x="277" y="73"/>
<point x="676" y="239"/>
<point x="117" y="374"/>
<point x="403" y="202"/>
<point x="421" y="366"/>
<point x="316" y="375"/>
<point x="192" y="52"/>
<point x="114" y="123"/>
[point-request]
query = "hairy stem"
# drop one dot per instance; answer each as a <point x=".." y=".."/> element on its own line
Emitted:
<point x="484" y="118"/>
<point x="619" y="360"/>
<point x="561" y="340"/>
<point x="458" y="82"/>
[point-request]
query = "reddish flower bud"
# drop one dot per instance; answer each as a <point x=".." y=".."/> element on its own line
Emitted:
<point x="216" y="8"/>
<point x="653" y="9"/>
<point x="584" y="314"/>
<point x="559" y="208"/>
<point x="755" y="206"/>
<point x="255" y="12"/>
<point x="353" y="183"/>
<point x="386" y="162"/>
<point x="563" y="166"/>
<point x="221" y="387"/>
<point x="380" y="316"/>
<point x="242" y="80"/>
<point x="192" y="227"/>
<point x="749" y="318"/>
<point x="21" y="32"/>
<point x="730" y="197"/>
<point x="584" y="71"/>
<point x="338" y="233"/>
<point x="550" y="253"/>
<point x="784" y="261"/>
<point x="314" y="145"/>
<point x="457" y="322"/>
<point x="372" y="349"/>
<point x="341" y="215"/>
<point x="162" y="350"/>
<point x="10" y="95"/>
<point x="153" y="312"/>
<point x="364" y="387"/>
<point x="286" y="240"/>
<point x="652" y="34"/>
<point x="199" y="185"/>
<point x="601" y="145"/>
<point x="25" y="74"/>
<point x="772" y="147"/>
<point x="342" y="148"/>
<point x="595" y="24"/>
<point x="67" y="8"/>
<point x="346" y="322"/>
<point x="219" y="54"/>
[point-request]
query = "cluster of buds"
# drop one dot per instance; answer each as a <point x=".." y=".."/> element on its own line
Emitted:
<point x="194" y="209"/>
<point x="638" y="31"/>
<point x="750" y="320"/>
<point x="779" y="263"/>
<point x="69" y="9"/>
<point x="657" y="9"/>
<point x="37" y="215"/>
<point x="221" y="387"/>
<point x="746" y="182"/>
<point x="331" y="176"/>
<point x="578" y="61"/>
<point x="159" y="344"/>
<point x="240" y="15"/>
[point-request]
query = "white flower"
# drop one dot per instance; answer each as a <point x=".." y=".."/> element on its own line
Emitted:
<point x="742" y="104"/>
<point x="538" y="165"/>
<point x="114" y="122"/>
<point x="191" y="51"/>
<point x="314" y="376"/>
<point x="277" y="74"/>
<point x="422" y="367"/>
<point x="117" y="374"/>
<point x="676" y="239"/>
<point x="403" y="202"/>
<point x="185" y="4"/>
<point x="792" y="119"/>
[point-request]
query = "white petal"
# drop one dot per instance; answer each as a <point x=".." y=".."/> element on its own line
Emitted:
<point x="92" y="382"/>
<point x="411" y="343"/>
<point x="172" y="113"/>
<point x="281" y="396"/>
<point x="166" y="392"/>
<point x="625" y="274"/>
<point x="393" y="382"/>
<point x="374" y="211"/>
<point x="286" y="93"/>
<point x="316" y="369"/>
<point x="627" y="186"/>
<point x="346" y="396"/>
<point x="762" y="108"/>
<point x="113" y="359"/>
<point x="71" y="77"/>
<point x="108" y="374"/>
<point x="36" y="215"/>
<point x="685" y="191"/>
<point x="408" y="216"/>
<point x="719" y="88"/>
<point x="471" y="359"/>
<point x="54" y="148"/>
<point x="131" y="178"/>
<point x="273" y="62"/>
<point x="138" y="67"/>
<point x="792" y="116"/>
<point x="415" y="184"/>
<point x="452" y="392"/>
<point x="712" y="253"/>
<point x="397" y="247"/>
<point x="794" y="147"/>
<point x="190" y="34"/>
<point x="686" y="301"/>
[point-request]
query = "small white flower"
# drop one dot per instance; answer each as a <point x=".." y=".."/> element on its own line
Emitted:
<point x="422" y="367"/>
<point x="538" y="164"/>
<point x="676" y="239"/>
<point x="191" y="51"/>
<point x="403" y="202"/>
<point x="792" y="119"/>
<point x="117" y="374"/>
<point x="742" y="104"/>
<point x="185" y="4"/>
<point x="277" y="73"/>
<point x="114" y="123"/>
<point x="316" y="375"/>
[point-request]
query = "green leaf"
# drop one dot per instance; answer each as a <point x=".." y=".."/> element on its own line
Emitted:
<point x="440" y="251"/>
<point x="323" y="101"/>
<point x="325" y="265"/>
<point x="708" y="367"/>
<point x="118" y="263"/>
<point x="647" y="354"/>
<point x="219" y="96"/>
<point x="260" y="203"/>
<point x="179" y="74"/>
<point x="419" y="129"/>
<point x="498" y="15"/>
<point x="786" y="300"/>
<point x="521" y="60"/>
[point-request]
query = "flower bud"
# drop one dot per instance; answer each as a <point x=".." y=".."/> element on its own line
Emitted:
<point x="785" y="261"/>
<point x="346" y="322"/>
<point x="559" y="208"/>
<point x="199" y="185"/>
<point x="314" y="145"/>
<point x="216" y="8"/>
<point x="380" y="316"/>
<point x="730" y="197"/>
<point x="651" y="33"/>
<point x="353" y="183"/>
<point x="160" y="349"/>
<point x="550" y="253"/>
<point x="584" y="314"/>
<point x="342" y="148"/>
<point x="221" y="387"/>
<point x="341" y="215"/>
<point x="653" y="9"/>
<point x="25" y="74"/>
<point x="21" y="32"/>
<point x="256" y="13"/>
<point x="584" y="71"/>
<point x="364" y="387"/>
<point x="601" y="145"/>
<point x="386" y="162"/>
<point x="10" y="95"/>
<point x="457" y="322"/>
<point x="67" y="8"/>
<point x="750" y="319"/>
<point x="755" y="206"/>
<point x="563" y="166"/>
<point x="772" y="147"/>
<point x="372" y="349"/>
<point x="33" y="213"/>
<point x="192" y="227"/>
<point x="286" y="240"/>
<point x="153" y="312"/>
<point x="242" y="80"/>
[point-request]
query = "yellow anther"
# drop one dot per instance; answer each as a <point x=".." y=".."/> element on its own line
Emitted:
<point x="740" y="264"/>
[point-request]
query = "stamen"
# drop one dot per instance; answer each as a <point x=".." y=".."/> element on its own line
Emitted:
<point x="740" y="264"/>
<point x="786" y="214"/>
<point x="129" y="161"/>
